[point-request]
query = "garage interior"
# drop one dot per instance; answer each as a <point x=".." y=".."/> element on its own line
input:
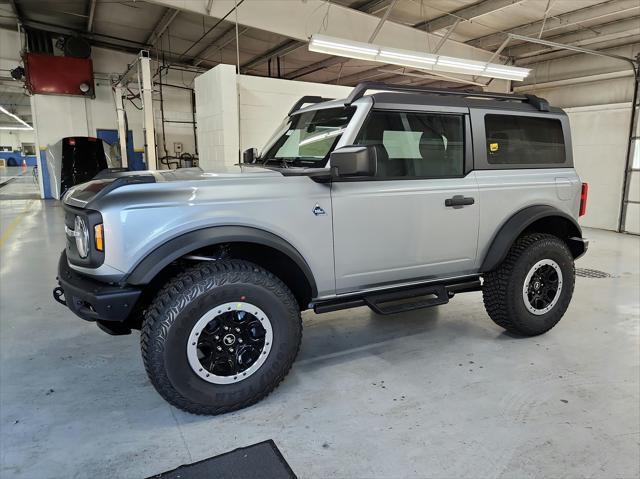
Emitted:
<point x="440" y="392"/>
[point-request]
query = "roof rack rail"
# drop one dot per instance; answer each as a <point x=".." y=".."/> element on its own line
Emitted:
<point x="307" y="99"/>
<point x="361" y="88"/>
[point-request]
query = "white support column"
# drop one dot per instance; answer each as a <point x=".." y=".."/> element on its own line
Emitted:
<point x="122" y="126"/>
<point x="147" y="110"/>
<point x="40" y="146"/>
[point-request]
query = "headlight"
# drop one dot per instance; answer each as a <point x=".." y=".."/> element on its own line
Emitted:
<point x="82" y="237"/>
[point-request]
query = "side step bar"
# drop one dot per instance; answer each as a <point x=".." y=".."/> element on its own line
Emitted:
<point x="397" y="301"/>
<point x="388" y="303"/>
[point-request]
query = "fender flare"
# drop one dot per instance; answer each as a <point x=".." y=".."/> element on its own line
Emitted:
<point x="504" y="238"/>
<point x="179" y="246"/>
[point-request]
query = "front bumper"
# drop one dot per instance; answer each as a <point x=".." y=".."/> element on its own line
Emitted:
<point x="107" y="304"/>
<point x="578" y="246"/>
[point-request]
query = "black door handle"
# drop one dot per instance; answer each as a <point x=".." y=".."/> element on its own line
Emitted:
<point x="458" y="201"/>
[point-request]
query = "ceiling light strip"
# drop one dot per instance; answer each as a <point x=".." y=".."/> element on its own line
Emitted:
<point x="17" y="118"/>
<point x="409" y="58"/>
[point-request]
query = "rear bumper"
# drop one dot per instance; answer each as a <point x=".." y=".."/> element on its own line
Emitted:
<point x="108" y="305"/>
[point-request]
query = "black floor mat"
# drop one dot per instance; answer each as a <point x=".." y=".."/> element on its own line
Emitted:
<point x="260" y="461"/>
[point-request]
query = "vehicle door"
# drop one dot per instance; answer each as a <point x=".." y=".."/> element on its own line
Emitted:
<point x="417" y="217"/>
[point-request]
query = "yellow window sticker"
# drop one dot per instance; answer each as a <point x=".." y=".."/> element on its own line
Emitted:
<point x="493" y="147"/>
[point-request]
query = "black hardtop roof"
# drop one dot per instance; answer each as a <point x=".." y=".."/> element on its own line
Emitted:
<point x="408" y="99"/>
<point x="359" y="91"/>
<point x="388" y="95"/>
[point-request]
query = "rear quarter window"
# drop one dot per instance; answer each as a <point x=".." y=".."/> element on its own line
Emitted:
<point x="522" y="140"/>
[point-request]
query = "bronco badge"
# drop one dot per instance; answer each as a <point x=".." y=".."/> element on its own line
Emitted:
<point x="317" y="210"/>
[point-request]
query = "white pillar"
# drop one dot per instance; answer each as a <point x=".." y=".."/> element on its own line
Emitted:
<point x="217" y="117"/>
<point x="147" y="108"/>
<point x="122" y="126"/>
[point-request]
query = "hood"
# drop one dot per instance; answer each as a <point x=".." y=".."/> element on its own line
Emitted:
<point x="81" y="195"/>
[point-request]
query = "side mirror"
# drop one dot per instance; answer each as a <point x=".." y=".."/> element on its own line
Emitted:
<point x="249" y="155"/>
<point x="356" y="160"/>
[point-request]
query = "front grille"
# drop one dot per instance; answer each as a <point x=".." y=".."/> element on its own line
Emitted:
<point x="95" y="258"/>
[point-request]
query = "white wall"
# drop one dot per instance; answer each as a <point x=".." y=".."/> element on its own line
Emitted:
<point x="177" y="107"/>
<point x="228" y="124"/>
<point x="598" y="102"/>
<point x="83" y="116"/>
<point x="599" y="92"/>
<point x="217" y="117"/>
<point x="177" y="103"/>
<point x="15" y="138"/>
<point x="599" y="135"/>
<point x="265" y="102"/>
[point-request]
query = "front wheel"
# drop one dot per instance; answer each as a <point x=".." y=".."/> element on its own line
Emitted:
<point x="220" y="336"/>
<point x="531" y="290"/>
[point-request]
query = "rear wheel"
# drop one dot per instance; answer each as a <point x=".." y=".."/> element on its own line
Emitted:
<point x="220" y="336"/>
<point x="531" y="290"/>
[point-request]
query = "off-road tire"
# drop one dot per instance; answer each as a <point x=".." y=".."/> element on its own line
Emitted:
<point x="178" y="306"/>
<point x="502" y="288"/>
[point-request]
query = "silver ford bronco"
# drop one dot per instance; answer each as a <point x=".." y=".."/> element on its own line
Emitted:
<point x="395" y="200"/>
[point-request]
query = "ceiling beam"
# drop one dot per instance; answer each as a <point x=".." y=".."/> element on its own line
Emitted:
<point x="432" y="76"/>
<point x="574" y="80"/>
<point x="279" y="50"/>
<point x="314" y="67"/>
<point x="595" y="34"/>
<point x="165" y="21"/>
<point x="17" y="11"/>
<point x="554" y="22"/>
<point x="450" y="21"/>
<point x="366" y="75"/>
<point x="398" y="73"/>
<point x="218" y="43"/>
<point x="103" y="38"/>
<point x="374" y="6"/>
<point x="330" y="18"/>
<point x="604" y="45"/>
<point x="288" y="46"/>
<point x="371" y="7"/>
<point x="465" y="14"/>
<point x="91" y="11"/>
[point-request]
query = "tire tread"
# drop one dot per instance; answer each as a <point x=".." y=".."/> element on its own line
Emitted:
<point x="496" y="282"/>
<point x="185" y="287"/>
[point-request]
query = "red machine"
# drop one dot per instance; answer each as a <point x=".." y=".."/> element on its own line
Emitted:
<point x="58" y="75"/>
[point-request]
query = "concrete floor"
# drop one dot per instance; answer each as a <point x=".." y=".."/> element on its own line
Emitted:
<point x="439" y="393"/>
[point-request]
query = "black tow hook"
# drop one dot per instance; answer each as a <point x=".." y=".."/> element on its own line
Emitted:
<point x="58" y="295"/>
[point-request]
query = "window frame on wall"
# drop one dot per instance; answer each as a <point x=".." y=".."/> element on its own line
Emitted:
<point x="467" y="155"/>
<point x="480" y="139"/>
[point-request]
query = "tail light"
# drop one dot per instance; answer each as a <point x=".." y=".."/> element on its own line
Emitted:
<point x="584" y="193"/>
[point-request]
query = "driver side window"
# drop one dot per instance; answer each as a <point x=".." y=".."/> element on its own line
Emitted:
<point x="417" y="145"/>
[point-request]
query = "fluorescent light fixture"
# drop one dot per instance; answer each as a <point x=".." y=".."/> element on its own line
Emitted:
<point x="26" y="125"/>
<point x="405" y="58"/>
<point x="413" y="59"/>
<point x="508" y="72"/>
<point x="342" y="48"/>
<point x="460" y="64"/>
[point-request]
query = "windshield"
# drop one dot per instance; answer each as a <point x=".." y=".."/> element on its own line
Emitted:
<point x="309" y="138"/>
